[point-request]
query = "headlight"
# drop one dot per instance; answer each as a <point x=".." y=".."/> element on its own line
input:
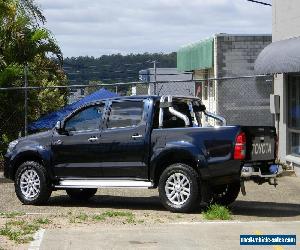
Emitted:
<point x="12" y="145"/>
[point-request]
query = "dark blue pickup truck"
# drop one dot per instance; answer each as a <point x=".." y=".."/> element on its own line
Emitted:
<point x="143" y="142"/>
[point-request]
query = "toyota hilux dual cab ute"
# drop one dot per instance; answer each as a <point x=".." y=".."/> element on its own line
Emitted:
<point x="143" y="142"/>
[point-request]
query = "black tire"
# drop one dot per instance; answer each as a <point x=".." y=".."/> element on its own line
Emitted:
<point x="81" y="194"/>
<point x="35" y="173"/>
<point x="188" y="203"/>
<point x="226" y="194"/>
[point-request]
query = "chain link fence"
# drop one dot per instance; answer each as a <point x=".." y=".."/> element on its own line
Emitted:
<point x="240" y="100"/>
<point x="245" y="101"/>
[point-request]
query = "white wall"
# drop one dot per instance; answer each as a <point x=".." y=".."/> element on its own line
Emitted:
<point x="285" y="19"/>
<point x="285" y="25"/>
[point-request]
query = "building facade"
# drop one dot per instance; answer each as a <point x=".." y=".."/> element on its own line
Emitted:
<point x="169" y="82"/>
<point x="284" y="56"/>
<point x="243" y="101"/>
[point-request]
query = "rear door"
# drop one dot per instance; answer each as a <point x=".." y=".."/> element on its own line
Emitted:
<point x="122" y="141"/>
<point x="261" y="143"/>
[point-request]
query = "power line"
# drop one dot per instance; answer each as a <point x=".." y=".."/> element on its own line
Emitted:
<point x="259" y="2"/>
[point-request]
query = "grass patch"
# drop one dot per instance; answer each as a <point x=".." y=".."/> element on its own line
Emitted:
<point x="217" y="212"/>
<point x="130" y="218"/>
<point x="21" y="231"/>
<point x="82" y="217"/>
<point x="11" y="214"/>
<point x="43" y="221"/>
<point x="79" y="218"/>
<point x="15" y="235"/>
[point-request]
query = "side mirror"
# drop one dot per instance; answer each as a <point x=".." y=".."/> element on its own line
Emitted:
<point x="59" y="126"/>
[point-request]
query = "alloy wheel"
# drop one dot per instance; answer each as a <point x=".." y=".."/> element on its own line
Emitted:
<point x="178" y="188"/>
<point x="30" y="184"/>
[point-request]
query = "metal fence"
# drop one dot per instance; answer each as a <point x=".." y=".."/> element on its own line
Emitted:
<point x="242" y="100"/>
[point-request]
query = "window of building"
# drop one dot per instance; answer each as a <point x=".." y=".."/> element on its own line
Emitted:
<point x="294" y="114"/>
<point x="125" y="114"/>
<point x="87" y="119"/>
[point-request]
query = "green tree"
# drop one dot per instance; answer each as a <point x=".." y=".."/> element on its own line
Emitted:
<point x="24" y="41"/>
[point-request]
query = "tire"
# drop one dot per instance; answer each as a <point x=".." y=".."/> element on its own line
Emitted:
<point x="226" y="194"/>
<point x="81" y="194"/>
<point x="31" y="183"/>
<point x="173" y="195"/>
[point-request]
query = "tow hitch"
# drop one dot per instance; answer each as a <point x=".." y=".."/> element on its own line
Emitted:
<point x="253" y="173"/>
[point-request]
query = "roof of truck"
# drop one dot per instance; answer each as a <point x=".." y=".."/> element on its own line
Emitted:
<point x="136" y="97"/>
<point x="155" y="97"/>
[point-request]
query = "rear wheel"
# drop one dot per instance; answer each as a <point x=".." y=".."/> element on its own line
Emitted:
<point x="179" y="188"/>
<point x="226" y="194"/>
<point x="81" y="193"/>
<point x="31" y="184"/>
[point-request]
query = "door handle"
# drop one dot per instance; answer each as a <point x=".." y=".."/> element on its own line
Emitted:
<point x="58" y="142"/>
<point x="93" y="139"/>
<point x="136" y="136"/>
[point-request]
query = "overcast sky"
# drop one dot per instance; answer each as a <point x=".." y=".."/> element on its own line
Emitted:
<point x="98" y="27"/>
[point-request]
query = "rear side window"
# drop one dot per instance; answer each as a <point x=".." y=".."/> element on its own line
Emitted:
<point x="86" y="119"/>
<point x="172" y="121"/>
<point x="125" y="114"/>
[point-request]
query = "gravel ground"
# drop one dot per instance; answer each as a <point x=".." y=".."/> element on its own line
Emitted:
<point x="264" y="202"/>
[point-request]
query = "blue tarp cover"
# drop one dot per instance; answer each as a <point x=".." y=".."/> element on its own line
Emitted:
<point x="49" y="121"/>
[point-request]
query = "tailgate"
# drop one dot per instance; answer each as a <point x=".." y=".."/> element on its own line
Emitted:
<point x="261" y="143"/>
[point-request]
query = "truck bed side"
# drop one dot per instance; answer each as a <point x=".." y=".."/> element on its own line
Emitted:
<point x="210" y="148"/>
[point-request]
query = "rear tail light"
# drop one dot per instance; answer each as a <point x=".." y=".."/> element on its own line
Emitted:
<point x="240" y="147"/>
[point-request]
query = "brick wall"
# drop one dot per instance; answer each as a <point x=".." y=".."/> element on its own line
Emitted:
<point x="242" y="101"/>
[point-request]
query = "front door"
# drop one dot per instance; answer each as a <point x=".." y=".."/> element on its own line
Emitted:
<point x="76" y="149"/>
<point x="123" y="143"/>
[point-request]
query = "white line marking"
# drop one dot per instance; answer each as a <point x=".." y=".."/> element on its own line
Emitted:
<point x="229" y="222"/>
<point x="38" y="237"/>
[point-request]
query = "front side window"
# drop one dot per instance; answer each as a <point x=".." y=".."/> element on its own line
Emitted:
<point x="85" y="120"/>
<point x="125" y="114"/>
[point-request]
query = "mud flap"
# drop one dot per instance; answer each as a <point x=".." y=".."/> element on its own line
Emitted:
<point x="206" y="194"/>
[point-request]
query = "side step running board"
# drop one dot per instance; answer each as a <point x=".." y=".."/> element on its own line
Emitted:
<point x="85" y="183"/>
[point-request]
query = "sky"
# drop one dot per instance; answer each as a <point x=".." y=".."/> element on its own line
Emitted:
<point x="102" y="27"/>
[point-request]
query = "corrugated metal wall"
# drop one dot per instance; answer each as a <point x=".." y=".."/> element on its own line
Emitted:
<point x="196" y="56"/>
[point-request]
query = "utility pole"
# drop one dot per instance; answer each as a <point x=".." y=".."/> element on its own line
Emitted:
<point x="154" y="65"/>
<point x="155" y="74"/>
<point x="25" y="99"/>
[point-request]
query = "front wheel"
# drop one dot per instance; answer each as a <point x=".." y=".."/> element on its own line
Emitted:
<point x="226" y="194"/>
<point x="178" y="188"/>
<point x="81" y="193"/>
<point x="31" y="184"/>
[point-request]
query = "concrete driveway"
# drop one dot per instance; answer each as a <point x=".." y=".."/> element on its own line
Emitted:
<point x="202" y="235"/>
<point x="265" y="209"/>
